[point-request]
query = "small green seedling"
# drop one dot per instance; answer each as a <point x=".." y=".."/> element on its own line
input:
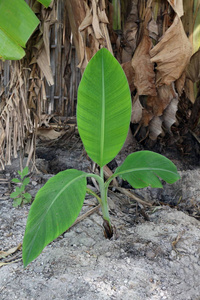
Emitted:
<point x="103" y="118"/>
<point x="19" y="195"/>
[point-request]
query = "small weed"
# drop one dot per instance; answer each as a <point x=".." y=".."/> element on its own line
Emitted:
<point x="19" y="195"/>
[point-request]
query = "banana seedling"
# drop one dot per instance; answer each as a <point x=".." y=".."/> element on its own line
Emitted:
<point x="103" y="118"/>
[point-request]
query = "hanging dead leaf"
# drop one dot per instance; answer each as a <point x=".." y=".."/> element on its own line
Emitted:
<point x="128" y="70"/>
<point x="155" y="128"/>
<point x="159" y="103"/>
<point x="179" y="84"/>
<point x="189" y="90"/>
<point x="177" y="6"/>
<point x="171" y="54"/>
<point x="130" y="32"/>
<point x="169" y="115"/>
<point x="160" y="110"/>
<point x="129" y="42"/>
<point x="137" y="109"/>
<point x="42" y="55"/>
<point x="43" y="63"/>
<point x="93" y="31"/>
<point x="153" y="29"/>
<point x="88" y="18"/>
<point x="144" y="76"/>
<point x="102" y="16"/>
<point x="193" y="68"/>
<point x="95" y="21"/>
<point x="146" y="117"/>
<point x="106" y="42"/>
<point x="82" y="52"/>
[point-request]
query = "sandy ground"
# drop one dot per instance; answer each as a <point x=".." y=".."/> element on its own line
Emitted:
<point x="153" y="259"/>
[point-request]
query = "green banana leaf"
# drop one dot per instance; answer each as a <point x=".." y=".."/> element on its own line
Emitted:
<point x="17" y="23"/>
<point x="144" y="168"/>
<point x="46" y="3"/>
<point x="54" y="210"/>
<point x="104" y="107"/>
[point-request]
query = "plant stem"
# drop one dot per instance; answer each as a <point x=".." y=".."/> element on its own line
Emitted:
<point x="104" y="207"/>
<point x="103" y="202"/>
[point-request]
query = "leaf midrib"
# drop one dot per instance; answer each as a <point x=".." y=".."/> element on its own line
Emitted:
<point x="102" y="112"/>
<point x="143" y="169"/>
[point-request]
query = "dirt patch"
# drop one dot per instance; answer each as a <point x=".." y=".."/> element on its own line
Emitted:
<point x="147" y="260"/>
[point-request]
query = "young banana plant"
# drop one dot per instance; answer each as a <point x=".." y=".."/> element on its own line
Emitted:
<point x="103" y="118"/>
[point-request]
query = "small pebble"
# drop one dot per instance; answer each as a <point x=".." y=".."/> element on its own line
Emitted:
<point x="78" y="230"/>
<point x="128" y="260"/>
<point x="150" y="254"/>
<point x="108" y="254"/>
<point x="172" y="255"/>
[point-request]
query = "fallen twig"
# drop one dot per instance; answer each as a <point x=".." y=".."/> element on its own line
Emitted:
<point x="132" y="196"/>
